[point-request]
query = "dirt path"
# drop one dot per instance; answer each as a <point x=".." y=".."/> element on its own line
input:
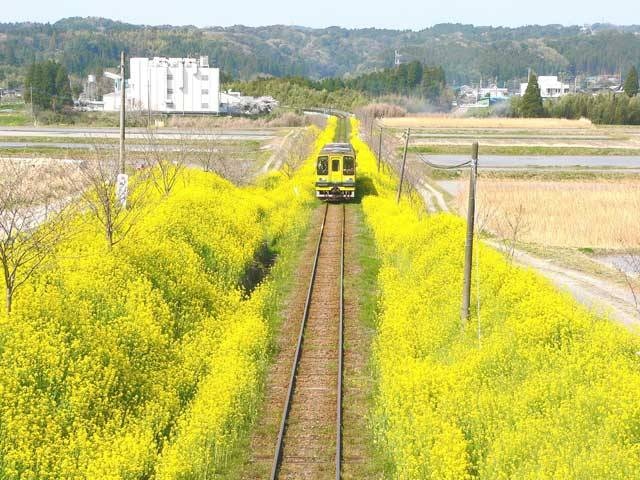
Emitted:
<point x="433" y="198"/>
<point x="598" y="294"/>
<point x="276" y="158"/>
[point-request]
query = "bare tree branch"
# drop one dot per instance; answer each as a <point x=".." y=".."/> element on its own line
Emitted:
<point x="99" y="174"/>
<point x="36" y="203"/>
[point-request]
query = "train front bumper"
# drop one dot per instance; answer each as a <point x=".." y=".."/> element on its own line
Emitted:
<point x="325" y="190"/>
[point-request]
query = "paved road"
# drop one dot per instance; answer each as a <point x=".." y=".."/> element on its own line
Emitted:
<point x="88" y="146"/>
<point x="170" y="134"/>
<point x="495" y="162"/>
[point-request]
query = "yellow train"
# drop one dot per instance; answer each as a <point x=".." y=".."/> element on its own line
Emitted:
<point x="336" y="172"/>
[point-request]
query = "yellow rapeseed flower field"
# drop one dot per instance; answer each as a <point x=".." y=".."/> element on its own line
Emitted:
<point x="146" y="361"/>
<point x="533" y="387"/>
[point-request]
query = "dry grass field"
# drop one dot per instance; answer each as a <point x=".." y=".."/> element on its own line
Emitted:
<point x="595" y="213"/>
<point x="436" y="121"/>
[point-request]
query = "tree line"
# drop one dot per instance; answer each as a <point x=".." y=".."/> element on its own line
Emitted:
<point x="611" y="108"/>
<point x="410" y="79"/>
<point x="49" y="84"/>
<point x="465" y="52"/>
<point x="413" y="79"/>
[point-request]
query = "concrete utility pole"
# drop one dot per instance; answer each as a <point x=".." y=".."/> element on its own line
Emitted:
<point x="122" y="113"/>
<point x="468" y="246"/>
<point x="404" y="161"/>
<point x="379" y="149"/>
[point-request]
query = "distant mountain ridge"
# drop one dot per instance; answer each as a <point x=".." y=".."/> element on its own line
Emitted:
<point x="466" y="52"/>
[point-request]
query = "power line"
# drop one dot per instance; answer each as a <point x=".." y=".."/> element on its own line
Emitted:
<point x="445" y="167"/>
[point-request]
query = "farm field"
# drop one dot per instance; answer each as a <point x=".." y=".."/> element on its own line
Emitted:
<point x="512" y="136"/>
<point x="544" y="212"/>
<point x="239" y="153"/>
<point x="150" y="358"/>
<point x="578" y="231"/>
<point x="530" y="387"/>
<point x="596" y="214"/>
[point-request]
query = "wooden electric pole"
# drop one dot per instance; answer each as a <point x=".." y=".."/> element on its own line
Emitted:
<point x="379" y="149"/>
<point x="468" y="246"/>
<point x="122" y="114"/>
<point x="404" y="161"/>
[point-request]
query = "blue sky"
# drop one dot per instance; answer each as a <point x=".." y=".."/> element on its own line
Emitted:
<point x="403" y="14"/>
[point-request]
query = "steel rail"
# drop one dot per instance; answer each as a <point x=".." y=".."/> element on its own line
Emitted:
<point x="340" y="356"/>
<point x="292" y="380"/>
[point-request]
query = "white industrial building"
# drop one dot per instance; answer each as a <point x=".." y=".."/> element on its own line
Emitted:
<point x="550" y="87"/>
<point x="168" y="85"/>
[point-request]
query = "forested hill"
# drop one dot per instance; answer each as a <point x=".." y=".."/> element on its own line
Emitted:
<point x="465" y="52"/>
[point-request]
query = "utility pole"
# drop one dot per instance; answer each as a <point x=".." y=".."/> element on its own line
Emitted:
<point x="122" y="181"/>
<point x="468" y="246"/>
<point x="149" y="100"/>
<point x="122" y="114"/>
<point x="379" y="149"/>
<point x="404" y="161"/>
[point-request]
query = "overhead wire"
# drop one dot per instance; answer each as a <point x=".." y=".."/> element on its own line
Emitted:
<point x="444" y="167"/>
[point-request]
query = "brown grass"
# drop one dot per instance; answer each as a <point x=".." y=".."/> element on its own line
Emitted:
<point x="595" y="214"/>
<point x="440" y="121"/>
<point x="287" y="119"/>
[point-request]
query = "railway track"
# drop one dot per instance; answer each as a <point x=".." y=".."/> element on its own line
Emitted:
<point x="309" y="443"/>
<point x="343" y="129"/>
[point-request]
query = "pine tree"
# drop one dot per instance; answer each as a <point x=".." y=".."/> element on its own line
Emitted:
<point x="631" y="83"/>
<point x="50" y="83"/>
<point x="63" y="87"/>
<point x="531" y="105"/>
<point x="414" y="74"/>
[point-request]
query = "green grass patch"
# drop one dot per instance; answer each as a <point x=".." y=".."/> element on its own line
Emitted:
<point x="365" y="287"/>
<point x="14" y="119"/>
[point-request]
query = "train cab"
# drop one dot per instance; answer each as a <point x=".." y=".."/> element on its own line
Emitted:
<point x="336" y="172"/>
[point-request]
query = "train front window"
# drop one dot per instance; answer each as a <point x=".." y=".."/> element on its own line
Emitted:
<point x="348" y="166"/>
<point x="335" y="165"/>
<point x="323" y="165"/>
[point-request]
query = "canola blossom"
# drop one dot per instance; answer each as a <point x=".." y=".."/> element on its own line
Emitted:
<point x="540" y="389"/>
<point x="146" y="361"/>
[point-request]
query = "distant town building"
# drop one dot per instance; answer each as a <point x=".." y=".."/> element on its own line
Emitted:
<point x="550" y="87"/>
<point x="168" y="85"/>
<point x="494" y="92"/>
<point x="603" y="83"/>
